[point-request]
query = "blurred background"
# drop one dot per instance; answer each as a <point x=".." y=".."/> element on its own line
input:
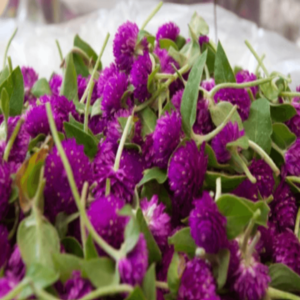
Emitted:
<point x="282" y="16"/>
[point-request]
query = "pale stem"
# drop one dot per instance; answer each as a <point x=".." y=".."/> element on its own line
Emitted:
<point x="87" y="108"/>
<point x="9" y="65"/>
<point x="218" y="188"/>
<point x="289" y="94"/>
<point x="244" y="167"/>
<point x="206" y="72"/>
<point x="162" y="285"/>
<point x="108" y="290"/>
<point x="279" y="150"/>
<point x="293" y="179"/>
<point x="59" y="51"/>
<point x="82" y="227"/>
<point x="8" y="45"/>
<point x="258" y="65"/>
<point x="153" y="13"/>
<point x="277" y="294"/>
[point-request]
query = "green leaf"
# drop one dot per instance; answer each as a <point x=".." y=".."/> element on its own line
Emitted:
<point x="212" y="159"/>
<point x="132" y="234"/>
<point x="72" y="246"/>
<point x="145" y="34"/>
<point x="96" y="108"/>
<point x="101" y="271"/>
<point x="80" y="66"/>
<point x="282" y="136"/>
<point x="228" y="182"/>
<point x="173" y="278"/>
<point x="4" y="103"/>
<point x="37" y="240"/>
<point x="178" y="55"/>
<point x="80" y="43"/>
<point x="270" y="91"/>
<point x="183" y="241"/>
<point x="35" y="141"/>
<point x="90" y="249"/>
<point x="283" y="278"/>
<point x="40" y="88"/>
<point x="180" y="42"/>
<point x="198" y="24"/>
<point x="149" y="283"/>
<point x="242" y="142"/>
<point x="148" y="120"/>
<point x="4" y="74"/>
<point x="258" y="126"/>
<point x="69" y="84"/>
<point x="211" y="56"/>
<point x="155" y="173"/>
<point x="65" y="264"/>
<point x="282" y="112"/>
<point x="188" y="106"/>
<point x="136" y="294"/>
<point x="221" y="269"/>
<point x="190" y="50"/>
<point x="61" y="225"/>
<point x="220" y="111"/>
<point x="82" y="138"/>
<point x="167" y="43"/>
<point x="151" y="86"/>
<point x="154" y="254"/>
<point x="223" y="71"/>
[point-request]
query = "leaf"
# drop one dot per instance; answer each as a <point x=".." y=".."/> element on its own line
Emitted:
<point x="188" y="106"/>
<point x="211" y="56"/>
<point x="145" y="34"/>
<point x="155" y="173"/>
<point x="154" y="254"/>
<point x="180" y="42"/>
<point x="82" y="138"/>
<point x="90" y="249"/>
<point x="72" y="246"/>
<point x="34" y="142"/>
<point x="62" y="223"/>
<point x="69" y="84"/>
<point x="282" y="136"/>
<point x="228" y="182"/>
<point x="178" y="56"/>
<point x="40" y="88"/>
<point x="96" y="108"/>
<point x="282" y="112"/>
<point x="149" y="284"/>
<point x="167" y="43"/>
<point x="270" y="90"/>
<point x="242" y="142"/>
<point x="4" y="103"/>
<point x="80" y="43"/>
<point x="223" y="71"/>
<point x="258" y="126"/>
<point x="136" y="294"/>
<point x="4" y="74"/>
<point x="101" y="271"/>
<point x="221" y="269"/>
<point x="198" y="24"/>
<point x="132" y="234"/>
<point x="80" y="66"/>
<point x="212" y="159"/>
<point x="65" y="264"/>
<point x="148" y="120"/>
<point x="190" y="50"/>
<point x="183" y="242"/>
<point x="283" y="278"/>
<point x="173" y="278"/>
<point x="220" y="111"/>
<point x="151" y="86"/>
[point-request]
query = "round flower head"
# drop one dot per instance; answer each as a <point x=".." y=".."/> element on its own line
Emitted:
<point x="166" y="61"/>
<point x="167" y="31"/>
<point x="148" y="151"/>
<point x="208" y="226"/>
<point x="55" y="84"/>
<point x="57" y="193"/>
<point x="176" y="99"/>
<point x="5" y="286"/>
<point x="97" y="124"/>
<point x="286" y="249"/>
<point x="283" y="208"/>
<point x="203" y="39"/>
<point x="15" y="269"/>
<point x="133" y="267"/>
<point x="5" y="247"/>
<point x="234" y="261"/>
<point x="252" y="280"/>
<point x="208" y="84"/>
<point x="5" y="189"/>
<point x="292" y="159"/>
<point x="29" y="77"/>
<point x="125" y="44"/>
<point x="81" y="85"/>
<point x="163" y="267"/>
<point x="264" y="247"/>
<point x="105" y="156"/>
<point x="166" y="137"/>
<point x="103" y="78"/>
<point x="113" y="91"/>
<point x="158" y="221"/>
<point x="229" y="133"/>
<point x="294" y="122"/>
<point x="197" y="282"/>
<point x="246" y="76"/>
<point x="239" y="97"/>
<point x="141" y="69"/>
<point x="203" y="123"/>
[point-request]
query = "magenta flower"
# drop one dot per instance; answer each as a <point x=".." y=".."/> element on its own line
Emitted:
<point x="5" y="286"/>
<point x="103" y="78"/>
<point x="167" y="31"/>
<point x="5" y="189"/>
<point x="292" y="159"/>
<point x="30" y="77"/>
<point x="5" y="247"/>
<point x="208" y="84"/>
<point x="148" y="151"/>
<point x="246" y="76"/>
<point x="55" y="84"/>
<point x="294" y="122"/>
<point x="166" y="61"/>
<point x="15" y="268"/>
<point x="203" y="39"/>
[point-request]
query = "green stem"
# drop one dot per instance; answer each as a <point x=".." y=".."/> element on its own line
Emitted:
<point x="40" y="190"/>
<point x="269" y="199"/>
<point x="122" y="143"/>
<point x="8" y="45"/>
<point x="59" y="51"/>
<point x="257" y="58"/>
<point x="159" y="105"/>
<point x="279" y="150"/>
<point x="94" y="70"/>
<point x="199" y="139"/>
<point x="258" y="65"/>
<point x="153" y="13"/>
<point x="16" y="222"/>
<point x="207" y="77"/>
<point x="81" y="53"/>
<point x="162" y="285"/>
<point x="82" y="228"/>
<point x="107" y="187"/>
<point x="297" y="224"/>
<point x="12" y="139"/>
<point x="163" y="76"/>
<point x="218" y="188"/>
<point x="250" y="95"/>
<point x="41" y="294"/>
<point x="264" y="156"/>
<point x="108" y="290"/>
<point x="277" y="294"/>
<point x="87" y="108"/>
<point x="72" y="218"/>
<point x="9" y="65"/>
<point x="251" y="247"/>
<point x="244" y="167"/>
<point x="15" y="291"/>
<point x="105" y="246"/>
<point x="289" y="94"/>
<point x="293" y="179"/>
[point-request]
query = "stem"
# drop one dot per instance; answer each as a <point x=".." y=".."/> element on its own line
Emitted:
<point x="162" y="285"/>
<point x="59" y="51"/>
<point x="279" y="150"/>
<point x="15" y="291"/>
<point x="277" y="294"/>
<point x="289" y="94"/>
<point x="95" y="69"/>
<point x="82" y="228"/>
<point x="105" y="246"/>
<point x="207" y="77"/>
<point x="244" y="167"/>
<point x="12" y="139"/>
<point x="8" y="45"/>
<point x="107" y="187"/>
<point x="250" y="95"/>
<point x="108" y="290"/>
<point x="293" y="179"/>
<point x="122" y="143"/>
<point x="87" y="108"/>
<point x="43" y="294"/>
<point x="9" y="65"/>
<point x="258" y="66"/>
<point x="159" y="106"/>
<point x="72" y="218"/>
<point x="16" y="222"/>
<point x="218" y="188"/>
<point x="80" y="52"/>
<point x="257" y="58"/>
<point x="251" y="247"/>
<point x="153" y="13"/>
<point x="265" y="157"/>
<point x="269" y="199"/>
<point x="297" y="224"/>
<point x="163" y="76"/>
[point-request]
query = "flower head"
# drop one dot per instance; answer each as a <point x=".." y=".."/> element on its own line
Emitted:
<point x="208" y="226"/>
<point x="292" y="159"/>
<point x="97" y="124"/>
<point x="203" y="123"/>
<point x="203" y="39"/>
<point x="264" y="247"/>
<point x="29" y="77"/>
<point x="15" y="269"/>
<point x="5" y="286"/>
<point x="55" y="84"/>
<point x="5" y="247"/>
<point x="208" y="84"/>
<point x="5" y="189"/>
<point x="294" y="122"/>
<point x="229" y="133"/>
<point x="246" y="76"/>
<point x="167" y="31"/>
<point x="148" y="151"/>
<point x="234" y="261"/>
<point x="176" y="99"/>
<point x="166" y="61"/>
<point x="133" y="267"/>
<point x="105" y="156"/>
<point x="103" y="78"/>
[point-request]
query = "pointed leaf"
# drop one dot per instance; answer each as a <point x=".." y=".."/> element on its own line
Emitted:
<point x="155" y="173"/>
<point x="72" y="246"/>
<point x="282" y="112"/>
<point x="148" y="119"/>
<point x="40" y="88"/>
<point x="198" y="24"/>
<point x="149" y="284"/>
<point x="282" y="136"/>
<point x="90" y="248"/>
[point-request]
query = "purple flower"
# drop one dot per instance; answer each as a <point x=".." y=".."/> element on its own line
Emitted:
<point x="203" y="123"/>
<point x="286" y="249"/>
<point x="5" y="286"/>
<point x="133" y="267"/>
<point x="234" y="261"/>
<point x="203" y="39"/>
<point x="158" y="221"/>
<point x="229" y="133"/>
<point x="294" y="122"/>
<point x="264" y="247"/>
<point x="97" y="124"/>
<point x="166" y="137"/>
<point x="163" y="267"/>
<point x="55" y="84"/>
<point x="166" y="61"/>
<point x="125" y="46"/>
<point x="237" y="97"/>
<point x="167" y="31"/>
<point x="103" y="78"/>
<point x="29" y="77"/>
<point x="176" y="99"/>
<point x="208" y="84"/>
<point x="292" y="159"/>
<point x="57" y="193"/>
<point x="113" y="91"/>
<point x="105" y="156"/>
<point x="81" y="85"/>
<point x="15" y="269"/>
<point x="5" y="247"/>
<point x="197" y="282"/>
<point x="148" y="151"/>
<point x="251" y="280"/>
<point x="5" y="189"/>
<point x="110" y="226"/>
<point x="246" y="76"/>
<point x="141" y="69"/>
<point x="283" y="208"/>
<point x="208" y="226"/>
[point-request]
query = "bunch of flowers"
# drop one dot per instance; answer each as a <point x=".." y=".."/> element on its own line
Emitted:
<point x="165" y="175"/>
